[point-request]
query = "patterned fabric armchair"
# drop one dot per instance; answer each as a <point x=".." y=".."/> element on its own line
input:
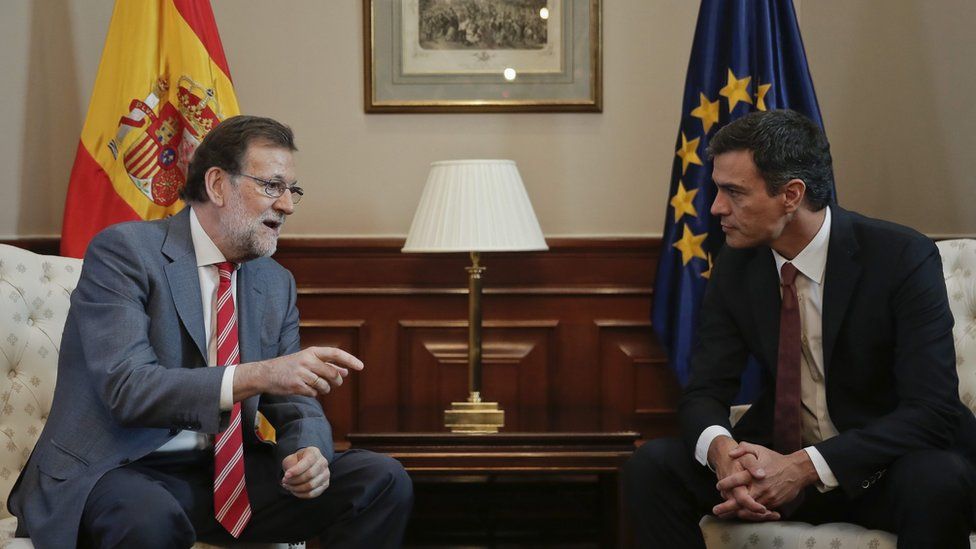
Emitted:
<point x="34" y="300"/>
<point x="959" y="266"/>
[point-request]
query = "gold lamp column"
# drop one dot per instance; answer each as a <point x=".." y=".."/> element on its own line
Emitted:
<point x="474" y="206"/>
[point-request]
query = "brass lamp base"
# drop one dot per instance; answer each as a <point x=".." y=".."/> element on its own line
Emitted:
<point x="474" y="416"/>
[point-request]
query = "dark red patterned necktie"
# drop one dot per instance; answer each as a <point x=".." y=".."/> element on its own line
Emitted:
<point x="786" y="423"/>
<point x="231" y="505"/>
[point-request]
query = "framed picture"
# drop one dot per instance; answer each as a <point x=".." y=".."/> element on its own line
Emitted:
<point x="482" y="55"/>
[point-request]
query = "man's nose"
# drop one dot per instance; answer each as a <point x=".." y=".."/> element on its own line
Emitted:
<point x="284" y="203"/>
<point x="719" y="206"/>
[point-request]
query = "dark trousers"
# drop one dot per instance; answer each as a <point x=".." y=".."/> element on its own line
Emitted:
<point x="926" y="498"/>
<point x="168" y="502"/>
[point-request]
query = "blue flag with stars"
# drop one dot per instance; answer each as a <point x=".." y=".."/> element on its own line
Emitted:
<point x="747" y="55"/>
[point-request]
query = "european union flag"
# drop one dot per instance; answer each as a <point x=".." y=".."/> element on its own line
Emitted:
<point x="747" y="55"/>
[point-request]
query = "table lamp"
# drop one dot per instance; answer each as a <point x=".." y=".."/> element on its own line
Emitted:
<point x="474" y="206"/>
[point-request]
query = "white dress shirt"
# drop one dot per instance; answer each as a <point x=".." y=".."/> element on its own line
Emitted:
<point x="817" y="426"/>
<point x="207" y="255"/>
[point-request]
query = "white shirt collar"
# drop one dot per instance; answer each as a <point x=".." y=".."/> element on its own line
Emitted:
<point x="812" y="260"/>
<point x="203" y="246"/>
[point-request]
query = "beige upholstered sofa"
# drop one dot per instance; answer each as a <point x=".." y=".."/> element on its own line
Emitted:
<point x="34" y="292"/>
<point x="959" y="265"/>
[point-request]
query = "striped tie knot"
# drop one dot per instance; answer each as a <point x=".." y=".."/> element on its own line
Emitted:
<point x="225" y="268"/>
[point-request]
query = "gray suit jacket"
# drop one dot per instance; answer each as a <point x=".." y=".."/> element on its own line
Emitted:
<point x="132" y="373"/>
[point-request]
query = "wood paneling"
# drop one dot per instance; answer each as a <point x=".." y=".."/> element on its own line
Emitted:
<point x="516" y="359"/>
<point x="639" y="388"/>
<point x="567" y="338"/>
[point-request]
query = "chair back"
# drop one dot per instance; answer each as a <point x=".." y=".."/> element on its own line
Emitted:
<point x="959" y="267"/>
<point x="34" y="298"/>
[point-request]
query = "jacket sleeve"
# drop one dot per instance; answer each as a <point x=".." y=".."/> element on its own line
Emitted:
<point x="299" y="421"/>
<point x="717" y="363"/>
<point x="925" y="378"/>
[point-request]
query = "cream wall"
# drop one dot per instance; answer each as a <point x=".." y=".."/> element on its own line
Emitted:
<point x="891" y="77"/>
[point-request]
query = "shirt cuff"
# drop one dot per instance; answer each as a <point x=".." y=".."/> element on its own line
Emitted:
<point x="705" y="441"/>
<point x="827" y="479"/>
<point x="227" y="389"/>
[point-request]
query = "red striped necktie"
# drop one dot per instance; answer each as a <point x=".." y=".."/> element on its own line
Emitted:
<point x="231" y="505"/>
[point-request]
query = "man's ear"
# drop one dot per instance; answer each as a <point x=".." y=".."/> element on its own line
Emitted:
<point x="217" y="183"/>
<point x="793" y="192"/>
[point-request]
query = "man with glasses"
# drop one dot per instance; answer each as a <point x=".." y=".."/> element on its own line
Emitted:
<point x="146" y="446"/>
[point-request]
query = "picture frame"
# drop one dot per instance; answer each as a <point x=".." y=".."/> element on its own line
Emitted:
<point x="462" y="56"/>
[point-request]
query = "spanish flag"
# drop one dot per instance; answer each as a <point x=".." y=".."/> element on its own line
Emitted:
<point x="162" y="84"/>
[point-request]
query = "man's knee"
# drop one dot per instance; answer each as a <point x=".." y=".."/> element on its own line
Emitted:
<point x="382" y="478"/>
<point x="934" y="477"/>
<point x="122" y="515"/>
<point x="653" y="462"/>
<point x="397" y="481"/>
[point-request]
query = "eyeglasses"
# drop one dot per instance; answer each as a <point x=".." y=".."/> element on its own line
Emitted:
<point x="275" y="189"/>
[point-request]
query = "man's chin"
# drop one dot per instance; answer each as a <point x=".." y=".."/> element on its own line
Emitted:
<point x="266" y="249"/>
<point x="260" y="249"/>
<point x="733" y="240"/>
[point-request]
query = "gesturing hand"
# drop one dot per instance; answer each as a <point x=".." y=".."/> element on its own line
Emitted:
<point x="310" y="372"/>
<point x="306" y="473"/>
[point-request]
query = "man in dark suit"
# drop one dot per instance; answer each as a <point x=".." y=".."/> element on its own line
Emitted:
<point x="146" y="446"/>
<point x="858" y="418"/>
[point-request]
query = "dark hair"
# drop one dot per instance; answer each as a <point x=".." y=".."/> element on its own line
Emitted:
<point x="785" y="145"/>
<point x="225" y="147"/>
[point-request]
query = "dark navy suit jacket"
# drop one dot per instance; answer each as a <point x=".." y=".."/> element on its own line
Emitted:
<point x="887" y="344"/>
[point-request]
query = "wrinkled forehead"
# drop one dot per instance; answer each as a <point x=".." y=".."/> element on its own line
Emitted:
<point x="268" y="160"/>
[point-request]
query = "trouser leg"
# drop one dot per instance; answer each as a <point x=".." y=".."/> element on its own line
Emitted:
<point x="367" y="504"/>
<point x="667" y="493"/>
<point x="128" y="507"/>
<point x="926" y="498"/>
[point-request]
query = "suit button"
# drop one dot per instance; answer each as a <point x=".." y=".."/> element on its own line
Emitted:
<point x="865" y="485"/>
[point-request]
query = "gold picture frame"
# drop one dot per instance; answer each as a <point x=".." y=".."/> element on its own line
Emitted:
<point x="482" y="56"/>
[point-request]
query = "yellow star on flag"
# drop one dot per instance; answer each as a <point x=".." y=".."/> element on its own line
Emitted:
<point x="681" y="201"/>
<point x="707" y="111"/>
<point x="690" y="246"/>
<point x="707" y="274"/>
<point x="688" y="153"/>
<point x="761" y="96"/>
<point x="737" y="89"/>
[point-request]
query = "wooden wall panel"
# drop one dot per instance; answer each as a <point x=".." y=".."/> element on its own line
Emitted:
<point x="639" y="388"/>
<point x="516" y="359"/>
<point x="340" y="405"/>
<point x="567" y="339"/>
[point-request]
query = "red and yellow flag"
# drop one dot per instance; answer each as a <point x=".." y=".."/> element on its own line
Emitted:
<point x="162" y="84"/>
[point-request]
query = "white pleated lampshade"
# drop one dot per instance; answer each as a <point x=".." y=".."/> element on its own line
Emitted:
<point x="474" y="206"/>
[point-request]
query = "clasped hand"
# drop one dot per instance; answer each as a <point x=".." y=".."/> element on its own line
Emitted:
<point x="306" y="473"/>
<point x="755" y="481"/>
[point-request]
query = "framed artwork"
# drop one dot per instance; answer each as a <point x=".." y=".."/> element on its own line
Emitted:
<point x="482" y="55"/>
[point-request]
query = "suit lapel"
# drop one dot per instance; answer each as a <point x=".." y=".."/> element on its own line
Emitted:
<point x="764" y="295"/>
<point x="250" y="301"/>
<point x="840" y="279"/>
<point x="250" y="310"/>
<point x="184" y="282"/>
